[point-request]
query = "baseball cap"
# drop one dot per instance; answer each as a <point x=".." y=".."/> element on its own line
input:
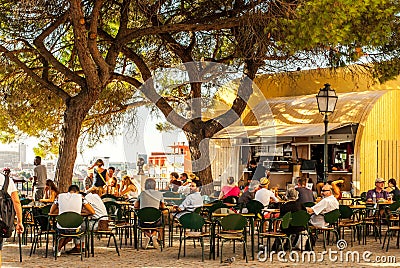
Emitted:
<point x="379" y="180"/>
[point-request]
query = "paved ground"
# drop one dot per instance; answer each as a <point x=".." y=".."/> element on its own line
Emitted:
<point x="107" y="257"/>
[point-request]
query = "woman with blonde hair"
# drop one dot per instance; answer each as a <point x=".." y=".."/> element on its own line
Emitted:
<point x="128" y="188"/>
<point x="50" y="192"/>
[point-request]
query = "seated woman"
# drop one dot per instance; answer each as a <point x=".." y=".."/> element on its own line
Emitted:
<point x="50" y="192"/>
<point x="112" y="187"/>
<point x="128" y="188"/>
<point x="292" y="206"/>
<point x="229" y="190"/>
<point x="393" y="189"/>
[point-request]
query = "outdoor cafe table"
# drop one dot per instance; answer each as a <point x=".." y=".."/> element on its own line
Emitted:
<point x="250" y="216"/>
<point x="352" y="199"/>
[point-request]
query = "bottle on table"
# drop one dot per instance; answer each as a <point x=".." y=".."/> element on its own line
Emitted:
<point x="374" y="198"/>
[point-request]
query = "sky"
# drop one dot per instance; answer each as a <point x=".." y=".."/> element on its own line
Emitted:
<point x="123" y="148"/>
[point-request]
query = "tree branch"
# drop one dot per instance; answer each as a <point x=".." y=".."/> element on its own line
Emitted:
<point x="49" y="86"/>
<point x="92" y="42"/>
<point x="39" y="43"/>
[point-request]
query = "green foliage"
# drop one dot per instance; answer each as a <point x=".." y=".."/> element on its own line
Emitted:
<point x="136" y="38"/>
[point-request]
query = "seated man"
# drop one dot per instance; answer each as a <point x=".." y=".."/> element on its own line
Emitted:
<point x="150" y="197"/>
<point x="327" y="204"/>
<point x="336" y="187"/>
<point x="378" y="191"/>
<point x="70" y="202"/>
<point x="305" y="194"/>
<point x="192" y="201"/>
<point x="263" y="194"/>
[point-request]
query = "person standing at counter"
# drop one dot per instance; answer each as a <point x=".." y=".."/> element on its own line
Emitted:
<point x="257" y="171"/>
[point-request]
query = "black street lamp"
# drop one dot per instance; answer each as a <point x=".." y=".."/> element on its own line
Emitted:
<point x="326" y="100"/>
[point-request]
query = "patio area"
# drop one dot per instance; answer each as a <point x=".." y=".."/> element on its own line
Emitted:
<point x="130" y="257"/>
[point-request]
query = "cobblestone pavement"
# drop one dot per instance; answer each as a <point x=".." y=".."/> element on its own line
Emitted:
<point x="107" y="257"/>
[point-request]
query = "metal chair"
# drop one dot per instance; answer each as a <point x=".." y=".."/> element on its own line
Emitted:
<point x="41" y="226"/>
<point x="119" y="220"/>
<point x="300" y="219"/>
<point x="391" y="218"/>
<point x="346" y="220"/>
<point x="151" y="219"/>
<point x="72" y="222"/>
<point x="101" y="226"/>
<point x="332" y="219"/>
<point x="233" y="229"/>
<point x="281" y="223"/>
<point x="191" y="227"/>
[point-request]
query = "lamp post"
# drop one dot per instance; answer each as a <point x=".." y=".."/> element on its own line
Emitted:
<point x="326" y="100"/>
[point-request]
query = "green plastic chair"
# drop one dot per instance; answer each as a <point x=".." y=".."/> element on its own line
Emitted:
<point x="392" y="228"/>
<point x="347" y="221"/>
<point x="394" y="206"/>
<point x="42" y="226"/>
<point x="70" y="220"/>
<point x="233" y="229"/>
<point x="281" y="223"/>
<point x="363" y="196"/>
<point x="231" y="200"/>
<point x="194" y="222"/>
<point x="300" y="219"/>
<point x="151" y="215"/>
<point x="120" y="221"/>
<point x="255" y="207"/>
<point x="332" y="219"/>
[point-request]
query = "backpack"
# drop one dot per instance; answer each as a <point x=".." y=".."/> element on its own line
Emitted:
<point x="7" y="212"/>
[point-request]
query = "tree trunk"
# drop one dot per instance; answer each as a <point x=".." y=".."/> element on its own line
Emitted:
<point x="73" y="118"/>
<point x="200" y="157"/>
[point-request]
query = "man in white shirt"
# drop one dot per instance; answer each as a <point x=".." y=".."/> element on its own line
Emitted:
<point x="192" y="201"/>
<point x="13" y="192"/>
<point x="95" y="201"/>
<point x="70" y="202"/>
<point x="264" y="195"/>
<point x="327" y="204"/>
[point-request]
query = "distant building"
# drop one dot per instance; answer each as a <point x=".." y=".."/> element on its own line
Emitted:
<point x="161" y="164"/>
<point x="13" y="156"/>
